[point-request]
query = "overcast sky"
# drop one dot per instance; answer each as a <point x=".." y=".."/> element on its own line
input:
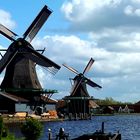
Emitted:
<point x="106" y="30"/>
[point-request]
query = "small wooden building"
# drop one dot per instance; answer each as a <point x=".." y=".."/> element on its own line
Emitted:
<point x="10" y="103"/>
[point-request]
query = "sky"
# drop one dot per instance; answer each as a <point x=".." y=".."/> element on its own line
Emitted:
<point x="108" y="31"/>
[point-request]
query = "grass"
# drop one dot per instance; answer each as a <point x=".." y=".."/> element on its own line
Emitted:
<point x="11" y="137"/>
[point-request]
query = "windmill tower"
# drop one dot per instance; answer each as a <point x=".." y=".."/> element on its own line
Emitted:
<point x="20" y="61"/>
<point x="78" y="101"/>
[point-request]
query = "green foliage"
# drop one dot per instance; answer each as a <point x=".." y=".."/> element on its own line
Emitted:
<point x="4" y="133"/>
<point x="110" y="101"/>
<point x="3" y="129"/>
<point x="1" y="126"/>
<point x="32" y="129"/>
<point x="9" y="137"/>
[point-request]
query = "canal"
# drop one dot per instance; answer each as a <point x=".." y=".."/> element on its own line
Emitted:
<point x="127" y="125"/>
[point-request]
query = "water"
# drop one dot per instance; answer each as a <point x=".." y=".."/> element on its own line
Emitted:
<point x="128" y="126"/>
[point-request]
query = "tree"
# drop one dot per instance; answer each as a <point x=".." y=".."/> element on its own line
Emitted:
<point x="32" y="129"/>
<point x="110" y="101"/>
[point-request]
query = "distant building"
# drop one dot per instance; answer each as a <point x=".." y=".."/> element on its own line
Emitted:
<point x="107" y="110"/>
<point x="124" y="110"/>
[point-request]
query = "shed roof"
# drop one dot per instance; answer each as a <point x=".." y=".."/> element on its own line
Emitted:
<point x="13" y="97"/>
<point x="49" y="100"/>
<point x="92" y="104"/>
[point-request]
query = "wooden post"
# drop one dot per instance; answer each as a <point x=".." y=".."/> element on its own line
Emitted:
<point x="49" y="134"/>
<point x="102" y="127"/>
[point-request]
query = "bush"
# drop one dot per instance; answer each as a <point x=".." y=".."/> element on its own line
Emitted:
<point x="3" y="129"/>
<point x="9" y="137"/>
<point x="31" y="129"/>
<point x="1" y="126"/>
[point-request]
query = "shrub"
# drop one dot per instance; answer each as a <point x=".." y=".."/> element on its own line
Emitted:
<point x="31" y="129"/>
<point x="3" y="129"/>
<point x="9" y="137"/>
<point x="1" y="126"/>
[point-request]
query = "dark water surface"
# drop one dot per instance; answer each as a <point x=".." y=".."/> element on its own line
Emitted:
<point x="128" y="125"/>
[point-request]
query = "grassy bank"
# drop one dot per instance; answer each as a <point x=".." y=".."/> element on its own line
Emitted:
<point x="12" y="137"/>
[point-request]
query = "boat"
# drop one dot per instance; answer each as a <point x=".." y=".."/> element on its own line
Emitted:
<point x="100" y="135"/>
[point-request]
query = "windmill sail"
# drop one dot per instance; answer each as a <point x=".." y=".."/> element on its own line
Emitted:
<point x="7" y="33"/>
<point x="76" y="86"/>
<point x="38" y="58"/>
<point x="8" y="56"/>
<point x="91" y="83"/>
<point x="37" y="24"/>
<point x="22" y="46"/>
<point x="71" y="69"/>
<point x="80" y="80"/>
<point x="91" y="61"/>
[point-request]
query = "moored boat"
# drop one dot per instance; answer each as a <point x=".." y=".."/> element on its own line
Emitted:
<point x="100" y="135"/>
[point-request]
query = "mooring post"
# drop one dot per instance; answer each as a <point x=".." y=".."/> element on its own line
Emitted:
<point x="90" y="116"/>
<point x="49" y="134"/>
<point x="62" y="135"/>
<point x="102" y="127"/>
<point x="76" y="117"/>
<point x="70" y="116"/>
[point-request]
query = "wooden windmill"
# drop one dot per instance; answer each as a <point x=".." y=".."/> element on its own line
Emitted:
<point x="20" y="60"/>
<point x="78" y="101"/>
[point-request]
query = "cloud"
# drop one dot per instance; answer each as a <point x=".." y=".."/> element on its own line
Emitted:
<point x="122" y="88"/>
<point x="110" y="35"/>
<point x="117" y="40"/>
<point x="112" y="38"/>
<point x="71" y="50"/>
<point x="77" y="10"/>
<point x="98" y="15"/>
<point x="6" y="19"/>
<point x="136" y="1"/>
<point x="131" y="11"/>
<point x="114" y="71"/>
<point x="67" y="49"/>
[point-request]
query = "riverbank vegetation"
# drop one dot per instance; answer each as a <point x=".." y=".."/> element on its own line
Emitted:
<point x="31" y="129"/>
<point x="111" y="101"/>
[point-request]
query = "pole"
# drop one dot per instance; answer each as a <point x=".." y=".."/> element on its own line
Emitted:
<point x="49" y="134"/>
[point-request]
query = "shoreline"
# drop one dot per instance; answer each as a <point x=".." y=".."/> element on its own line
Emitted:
<point x="17" y="120"/>
<point x="22" y="120"/>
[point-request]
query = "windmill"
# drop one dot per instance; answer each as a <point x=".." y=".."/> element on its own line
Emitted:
<point x="78" y="101"/>
<point x="20" y="61"/>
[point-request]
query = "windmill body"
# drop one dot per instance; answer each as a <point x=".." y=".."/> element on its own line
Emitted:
<point x="20" y="73"/>
<point x="20" y="60"/>
<point x="79" y="100"/>
<point x="81" y="90"/>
